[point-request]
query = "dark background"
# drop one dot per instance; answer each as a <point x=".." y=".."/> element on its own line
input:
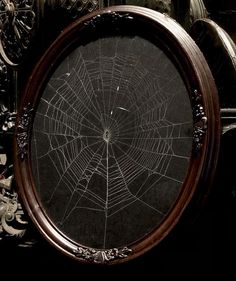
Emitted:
<point x="204" y="246"/>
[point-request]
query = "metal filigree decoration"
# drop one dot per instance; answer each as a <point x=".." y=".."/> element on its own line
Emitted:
<point x="200" y="121"/>
<point x="17" y="20"/>
<point x="7" y="119"/>
<point x="77" y="8"/>
<point x="101" y="256"/>
<point x="23" y="131"/>
<point x="11" y="214"/>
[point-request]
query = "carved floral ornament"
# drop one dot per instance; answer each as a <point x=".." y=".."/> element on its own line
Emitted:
<point x="17" y="20"/>
<point x="101" y="256"/>
<point x="200" y="121"/>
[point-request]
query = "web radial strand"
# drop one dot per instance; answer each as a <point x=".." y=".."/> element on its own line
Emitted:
<point x="112" y="138"/>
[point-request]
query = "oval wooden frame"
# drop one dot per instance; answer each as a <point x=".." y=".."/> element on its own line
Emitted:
<point x="207" y="129"/>
<point x="214" y="41"/>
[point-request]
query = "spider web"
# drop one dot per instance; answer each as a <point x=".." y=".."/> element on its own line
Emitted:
<point x="111" y="141"/>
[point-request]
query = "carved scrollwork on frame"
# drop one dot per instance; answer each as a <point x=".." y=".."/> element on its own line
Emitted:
<point x="17" y="20"/>
<point x="23" y="131"/>
<point x="200" y="121"/>
<point x="101" y="256"/>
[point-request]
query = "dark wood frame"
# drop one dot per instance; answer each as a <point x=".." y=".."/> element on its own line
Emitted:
<point x="215" y="42"/>
<point x="202" y="92"/>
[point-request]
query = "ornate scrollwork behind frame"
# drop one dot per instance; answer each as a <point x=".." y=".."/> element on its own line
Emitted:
<point x="17" y="20"/>
<point x="13" y="222"/>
